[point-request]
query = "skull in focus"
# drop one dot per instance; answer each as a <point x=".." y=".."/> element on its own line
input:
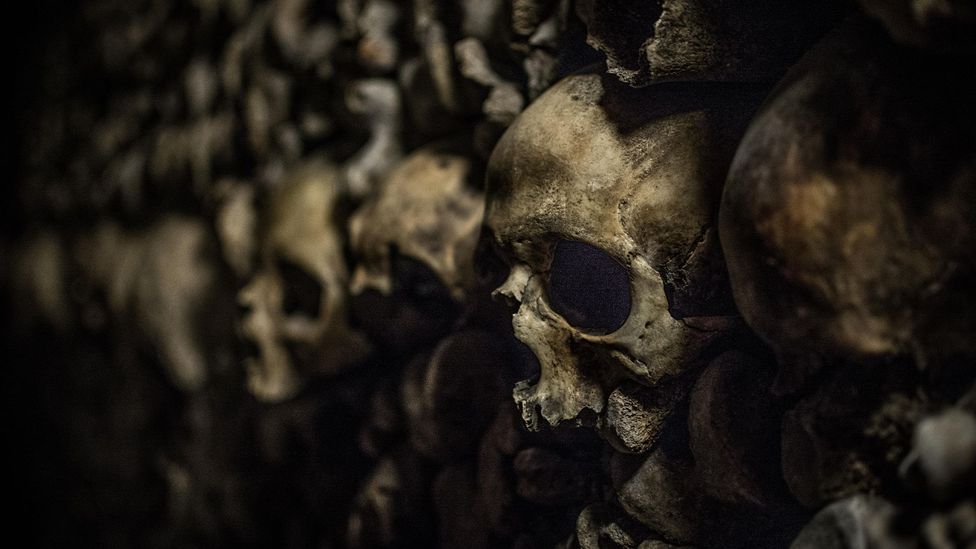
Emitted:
<point x="601" y="199"/>
<point x="296" y="302"/>
<point x="849" y="239"/>
<point x="415" y="240"/>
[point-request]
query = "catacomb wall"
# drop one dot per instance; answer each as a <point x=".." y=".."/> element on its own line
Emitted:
<point x="491" y="273"/>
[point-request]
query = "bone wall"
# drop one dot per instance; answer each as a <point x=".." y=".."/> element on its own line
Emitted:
<point x="491" y="273"/>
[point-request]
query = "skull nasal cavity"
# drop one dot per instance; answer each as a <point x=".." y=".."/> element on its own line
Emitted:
<point x="302" y="292"/>
<point x="590" y="289"/>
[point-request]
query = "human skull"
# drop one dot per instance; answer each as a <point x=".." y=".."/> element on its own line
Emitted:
<point x="850" y="251"/>
<point x="601" y="199"/>
<point x="165" y="277"/>
<point x="296" y="302"/>
<point x="695" y="40"/>
<point x="415" y="241"/>
<point x="843" y="237"/>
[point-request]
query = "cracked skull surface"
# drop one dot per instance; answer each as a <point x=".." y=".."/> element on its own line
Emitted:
<point x="601" y="199"/>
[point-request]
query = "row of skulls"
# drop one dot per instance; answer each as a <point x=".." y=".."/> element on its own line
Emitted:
<point x="759" y="299"/>
<point x="602" y="199"/>
<point x="842" y="233"/>
<point x="237" y="138"/>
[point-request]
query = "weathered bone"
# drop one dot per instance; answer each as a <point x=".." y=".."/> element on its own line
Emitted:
<point x="165" y="278"/>
<point x="377" y="103"/>
<point x="843" y="525"/>
<point x="37" y="274"/>
<point x="426" y="209"/>
<point x="696" y="40"/>
<point x="837" y="234"/>
<point x="733" y="432"/>
<point x="595" y="162"/>
<point x="236" y="224"/>
<point x="660" y="493"/>
<point x="820" y="206"/>
<point x="302" y="229"/>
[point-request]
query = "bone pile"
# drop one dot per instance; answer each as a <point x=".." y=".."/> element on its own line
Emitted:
<point x="495" y="274"/>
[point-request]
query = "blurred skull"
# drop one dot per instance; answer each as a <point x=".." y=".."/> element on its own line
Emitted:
<point x="296" y="302"/>
<point x="850" y="246"/>
<point x="602" y="200"/>
<point x="166" y="277"/>
<point x="844" y="238"/>
<point x="415" y="240"/>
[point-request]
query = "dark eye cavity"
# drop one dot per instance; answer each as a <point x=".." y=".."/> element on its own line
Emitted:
<point x="489" y="266"/>
<point x="302" y="292"/>
<point x="416" y="282"/>
<point x="588" y="288"/>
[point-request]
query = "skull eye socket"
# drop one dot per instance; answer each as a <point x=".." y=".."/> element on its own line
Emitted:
<point x="588" y="288"/>
<point x="416" y="282"/>
<point x="302" y="294"/>
<point x="489" y="266"/>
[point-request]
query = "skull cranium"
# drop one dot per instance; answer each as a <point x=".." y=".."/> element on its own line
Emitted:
<point x="297" y="300"/>
<point x="415" y="240"/>
<point x="850" y="251"/>
<point x="601" y="198"/>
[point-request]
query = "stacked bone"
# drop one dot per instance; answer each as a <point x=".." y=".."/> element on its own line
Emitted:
<point x="738" y="247"/>
<point x="324" y="161"/>
<point x="846" y="233"/>
<point x="603" y="199"/>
